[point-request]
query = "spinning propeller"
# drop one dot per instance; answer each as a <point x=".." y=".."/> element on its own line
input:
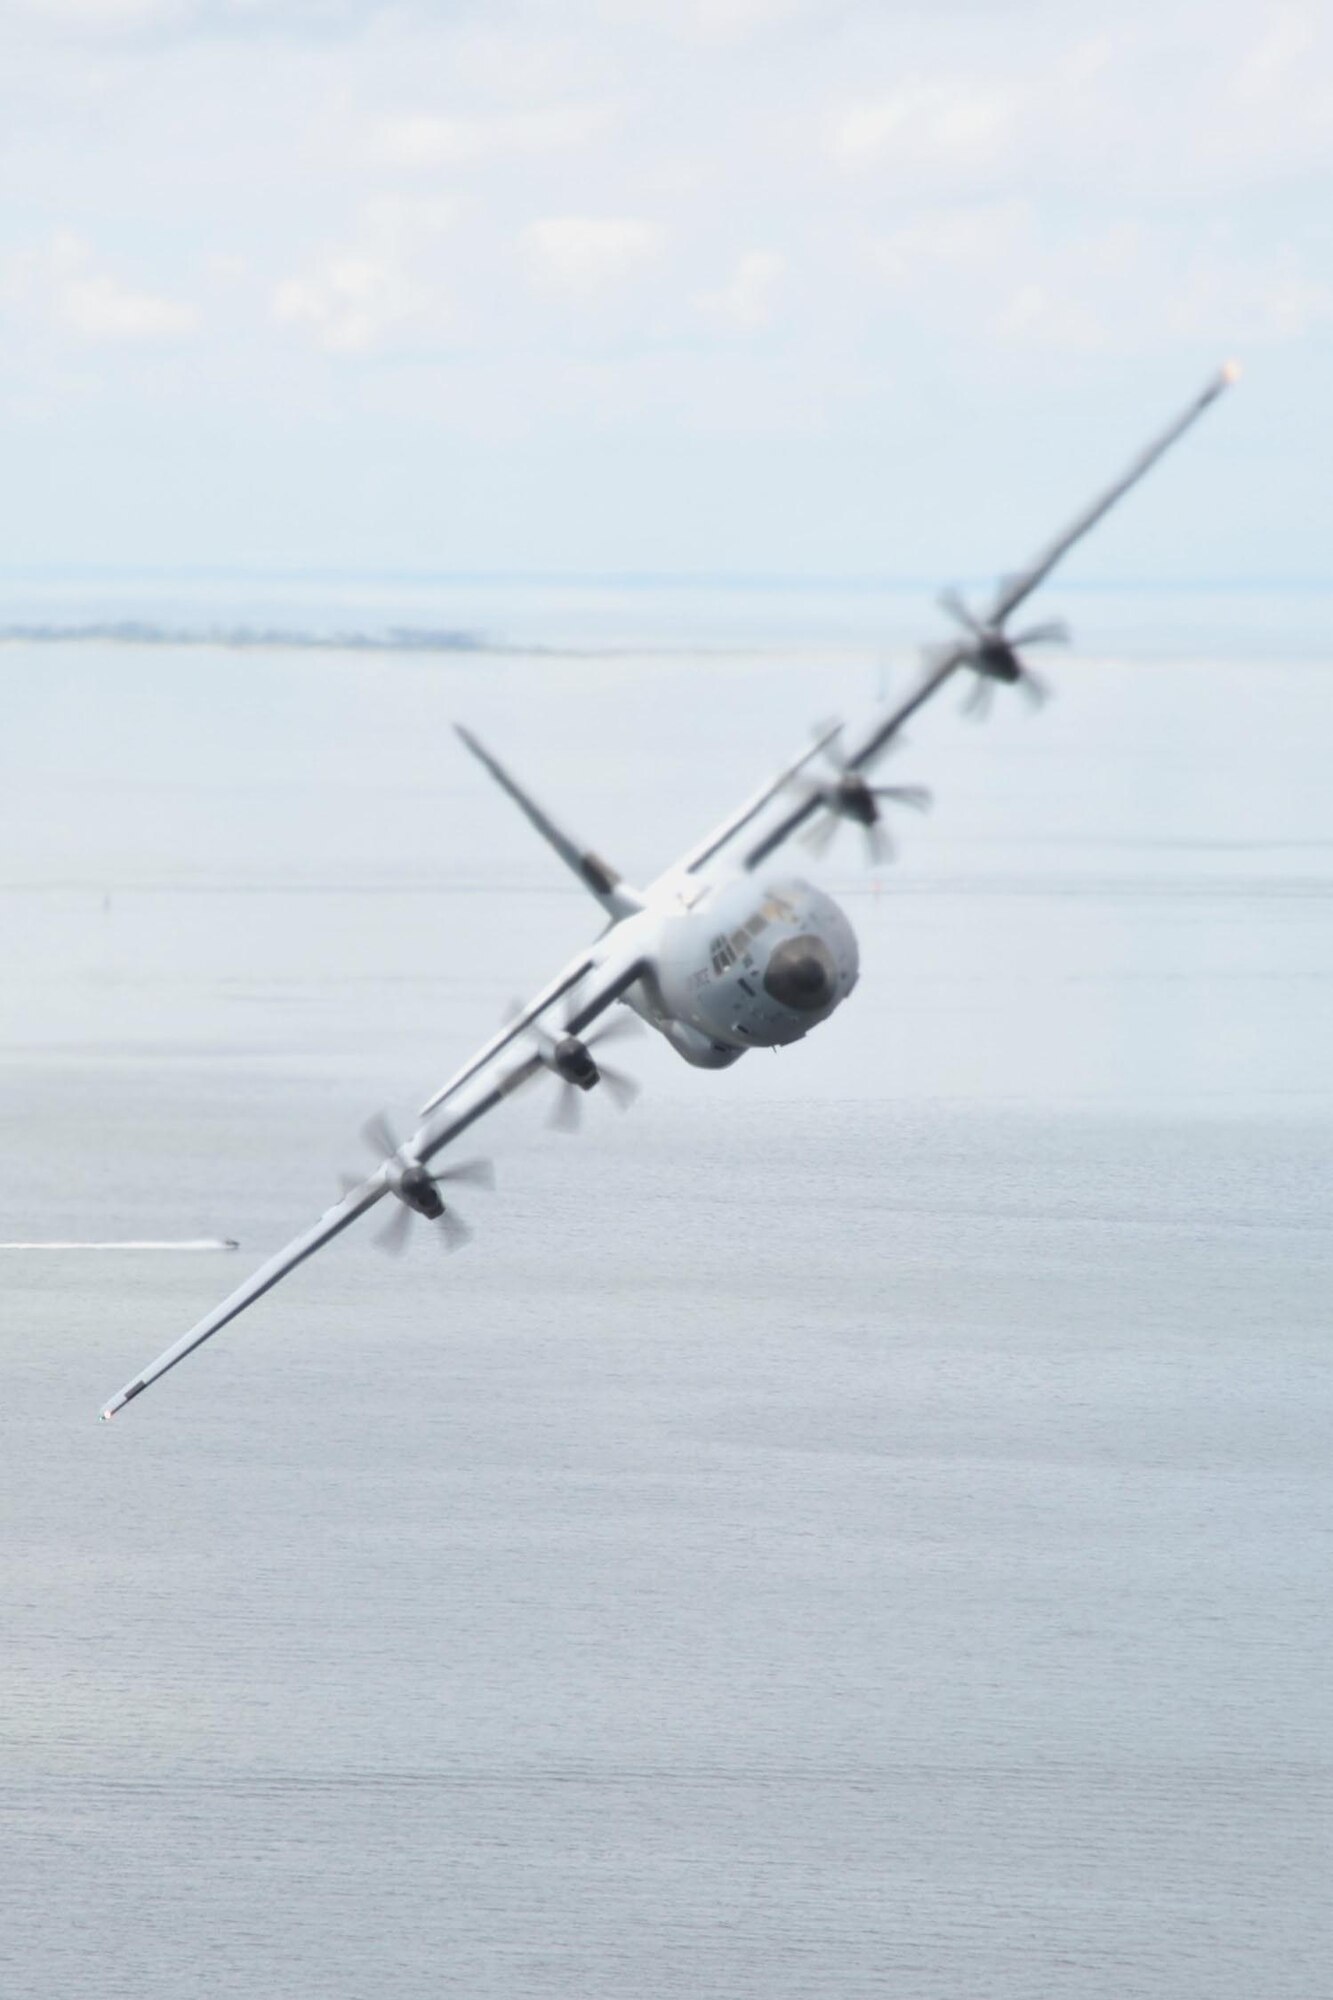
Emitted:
<point x="418" y="1189"/>
<point x="994" y="656"/>
<point x="569" y="1059"/>
<point x="848" y="797"/>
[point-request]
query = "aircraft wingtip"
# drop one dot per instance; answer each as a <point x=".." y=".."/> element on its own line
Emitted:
<point x="119" y="1402"/>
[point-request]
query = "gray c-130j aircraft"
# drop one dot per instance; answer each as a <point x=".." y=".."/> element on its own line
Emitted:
<point x="722" y="953"/>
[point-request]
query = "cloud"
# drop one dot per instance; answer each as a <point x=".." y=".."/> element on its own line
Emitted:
<point x="990" y="267"/>
<point x="424" y="141"/>
<point x="106" y="16"/>
<point x="349" y="303"/>
<point x="382" y="285"/>
<point x="108" y="21"/>
<point x="715" y="21"/>
<point x="586" y="254"/>
<point x="1269" y="301"/>
<point x="1126" y="287"/>
<point x="926" y="121"/>
<point x="747" y="301"/>
<point x="99" y="308"/>
<point x="63" y="286"/>
<point x="1040" y="315"/>
<point x="812" y="222"/>
<point x="975" y="239"/>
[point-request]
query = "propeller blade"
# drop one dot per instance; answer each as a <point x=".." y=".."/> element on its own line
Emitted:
<point x="879" y="847"/>
<point x="976" y="702"/>
<point x="1054" y="633"/>
<point x="349" y="1181"/>
<point x="566" y="1114"/>
<point x="616" y="1030"/>
<point x="805" y="791"/>
<point x="818" y="836"/>
<point x="393" y="1237"/>
<point x="453" y="1231"/>
<point x="623" y="1088"/>
<point x="915" y="796"/>
<point x="379" y="1136"/>
<point x="953" y="602"/>
<point x="470" y="1173"/>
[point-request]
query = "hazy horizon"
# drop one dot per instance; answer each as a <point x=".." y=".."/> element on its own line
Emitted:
<point x="622" y="285"/>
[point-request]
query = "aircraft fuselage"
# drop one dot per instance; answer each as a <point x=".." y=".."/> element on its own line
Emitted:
<point x="745" y="966"/>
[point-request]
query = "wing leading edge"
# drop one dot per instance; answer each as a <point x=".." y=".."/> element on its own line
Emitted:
<point x="593" y="981"/>
<point x="471" y="1100"/>
<point x="330" y="1224"/>
<point x="1013" y="592"/>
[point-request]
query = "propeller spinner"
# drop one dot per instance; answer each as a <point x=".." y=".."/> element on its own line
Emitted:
<point x="418" y="1189"/>
<point x="847" y="796"/>
<point x="994" y="655"/>
<point x="569" y="1059"/>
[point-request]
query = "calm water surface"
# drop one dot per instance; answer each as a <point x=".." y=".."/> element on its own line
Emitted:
<point x="858" y="1525"/>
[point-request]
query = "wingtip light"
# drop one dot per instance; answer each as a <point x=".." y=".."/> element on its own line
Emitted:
<point x="119" y="1402"/>
<point x="1231" y="371"/>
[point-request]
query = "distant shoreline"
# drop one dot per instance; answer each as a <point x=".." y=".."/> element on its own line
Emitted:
<point x="100" y="577"/>
<point x="144" y="632"/>
<point x="404" y="639"/>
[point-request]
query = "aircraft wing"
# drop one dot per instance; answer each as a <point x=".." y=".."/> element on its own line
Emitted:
<point x="1014" y="589"/>
<point x="588" y="983"/>
<point x="881" y="735"/>
<point x="564" y="982"/>
<point x="714" y="842"/>
<point x="330" y="1224"/>
<point x="593" y="981"/>
<point x="471" y="1096"/>
<point x="945" y="661"/>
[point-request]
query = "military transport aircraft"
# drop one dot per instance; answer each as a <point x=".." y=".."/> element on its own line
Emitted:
<point x="722" y="953"/>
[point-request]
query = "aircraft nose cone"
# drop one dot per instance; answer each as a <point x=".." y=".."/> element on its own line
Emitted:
<point x="801" y="974"/>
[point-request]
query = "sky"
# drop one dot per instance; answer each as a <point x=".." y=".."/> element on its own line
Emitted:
<point x="760" y="287"/>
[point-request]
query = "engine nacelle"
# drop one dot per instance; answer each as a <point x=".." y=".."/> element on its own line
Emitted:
<point x="570" y="1059"/>
<point x="851" y="798"/>
<point x="416" y="1189"/>
<point x="997" y="660"/>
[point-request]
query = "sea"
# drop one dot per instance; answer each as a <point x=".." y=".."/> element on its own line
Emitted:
<point x="859" y="1524"/>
